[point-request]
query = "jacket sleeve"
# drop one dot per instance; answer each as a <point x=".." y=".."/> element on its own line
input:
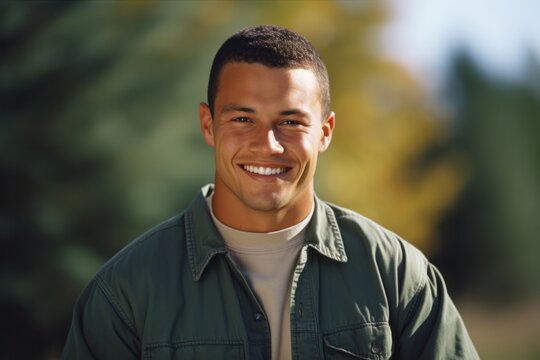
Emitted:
<point x="99" y="329"/>
<point x="433" y="328"/>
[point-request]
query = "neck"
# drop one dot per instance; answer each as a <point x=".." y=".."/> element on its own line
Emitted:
<point x="234" y="213"/>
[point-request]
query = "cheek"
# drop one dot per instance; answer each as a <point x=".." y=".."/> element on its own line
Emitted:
<point x="309" y="146"/>
<point x="305" y="150"/>
<point x="226" y="148"/>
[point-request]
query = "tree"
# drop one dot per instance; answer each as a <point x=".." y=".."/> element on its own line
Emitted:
<point x="494" y="228"/>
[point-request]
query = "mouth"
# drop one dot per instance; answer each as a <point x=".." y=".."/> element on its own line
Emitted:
<point x="265" y="171"/>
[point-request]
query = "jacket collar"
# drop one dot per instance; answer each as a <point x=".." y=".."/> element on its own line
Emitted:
<point x="323" y="233"/>
<point x="204" y="241"/>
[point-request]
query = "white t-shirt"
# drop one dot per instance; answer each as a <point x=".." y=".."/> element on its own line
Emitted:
<point x="267" y="260"/>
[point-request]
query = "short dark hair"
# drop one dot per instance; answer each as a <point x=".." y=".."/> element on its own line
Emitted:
<point x="272" y="46"/>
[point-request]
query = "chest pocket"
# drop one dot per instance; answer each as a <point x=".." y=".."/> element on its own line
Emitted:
<point x="215" y="350"/>
<point x="368" y="341"/>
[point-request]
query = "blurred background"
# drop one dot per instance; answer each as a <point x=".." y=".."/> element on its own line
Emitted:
<point x="437" y="138"/>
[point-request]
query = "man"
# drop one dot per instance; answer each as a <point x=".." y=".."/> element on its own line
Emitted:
<point x="257" y="267"/>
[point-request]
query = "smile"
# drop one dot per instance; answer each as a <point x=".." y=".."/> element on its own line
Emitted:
<point x="260" y="170"/>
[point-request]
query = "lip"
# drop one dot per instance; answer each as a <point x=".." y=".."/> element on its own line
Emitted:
<point x="265" y="177"/>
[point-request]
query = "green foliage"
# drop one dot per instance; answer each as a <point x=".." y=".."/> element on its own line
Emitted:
<point x="493" y="232"/>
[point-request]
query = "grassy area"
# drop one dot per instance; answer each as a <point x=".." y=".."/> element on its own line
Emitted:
<point x="510" y="331"/>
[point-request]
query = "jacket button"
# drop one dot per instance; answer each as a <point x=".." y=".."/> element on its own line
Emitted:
<point x="376" y="348"/>
<point x="258" y="316"/>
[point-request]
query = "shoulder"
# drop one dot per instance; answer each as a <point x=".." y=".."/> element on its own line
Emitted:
<point x="148" y="249"/>
<point x="398" y="262"/>
<point x="129" y="278"/>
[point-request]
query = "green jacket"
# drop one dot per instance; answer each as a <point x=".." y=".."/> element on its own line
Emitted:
<point x="358" y="292"/>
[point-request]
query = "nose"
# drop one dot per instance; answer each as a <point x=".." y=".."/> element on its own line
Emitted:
<point x="267" y="142"/>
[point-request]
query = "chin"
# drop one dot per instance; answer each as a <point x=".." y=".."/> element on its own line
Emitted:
<point x="265" y="203"/>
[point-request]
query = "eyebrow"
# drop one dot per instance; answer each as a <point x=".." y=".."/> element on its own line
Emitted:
<point x="293" y="112"/>
<point x="235" y="107"/>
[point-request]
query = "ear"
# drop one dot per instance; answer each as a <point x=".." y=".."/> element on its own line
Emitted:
<point x="207" y="124"/>
<point x="326" y="131"/>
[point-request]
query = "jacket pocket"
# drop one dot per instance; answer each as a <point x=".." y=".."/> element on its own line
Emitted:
<point x="367" y="341"/>
<point x="211" y="349"/>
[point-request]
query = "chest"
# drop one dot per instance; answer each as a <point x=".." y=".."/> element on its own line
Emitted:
<point x="335" y="312"/>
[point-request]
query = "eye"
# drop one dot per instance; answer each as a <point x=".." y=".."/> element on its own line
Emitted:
<point x="291" y="123"/>
<point x="242" y="119"/>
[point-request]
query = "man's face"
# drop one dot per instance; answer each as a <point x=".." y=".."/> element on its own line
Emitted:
<point x="267" y="132"/>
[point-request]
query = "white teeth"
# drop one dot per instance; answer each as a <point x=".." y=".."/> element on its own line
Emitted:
<point x="264" y="170"/>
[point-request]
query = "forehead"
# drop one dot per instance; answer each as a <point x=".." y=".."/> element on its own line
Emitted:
<point x="239" y="81"/>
